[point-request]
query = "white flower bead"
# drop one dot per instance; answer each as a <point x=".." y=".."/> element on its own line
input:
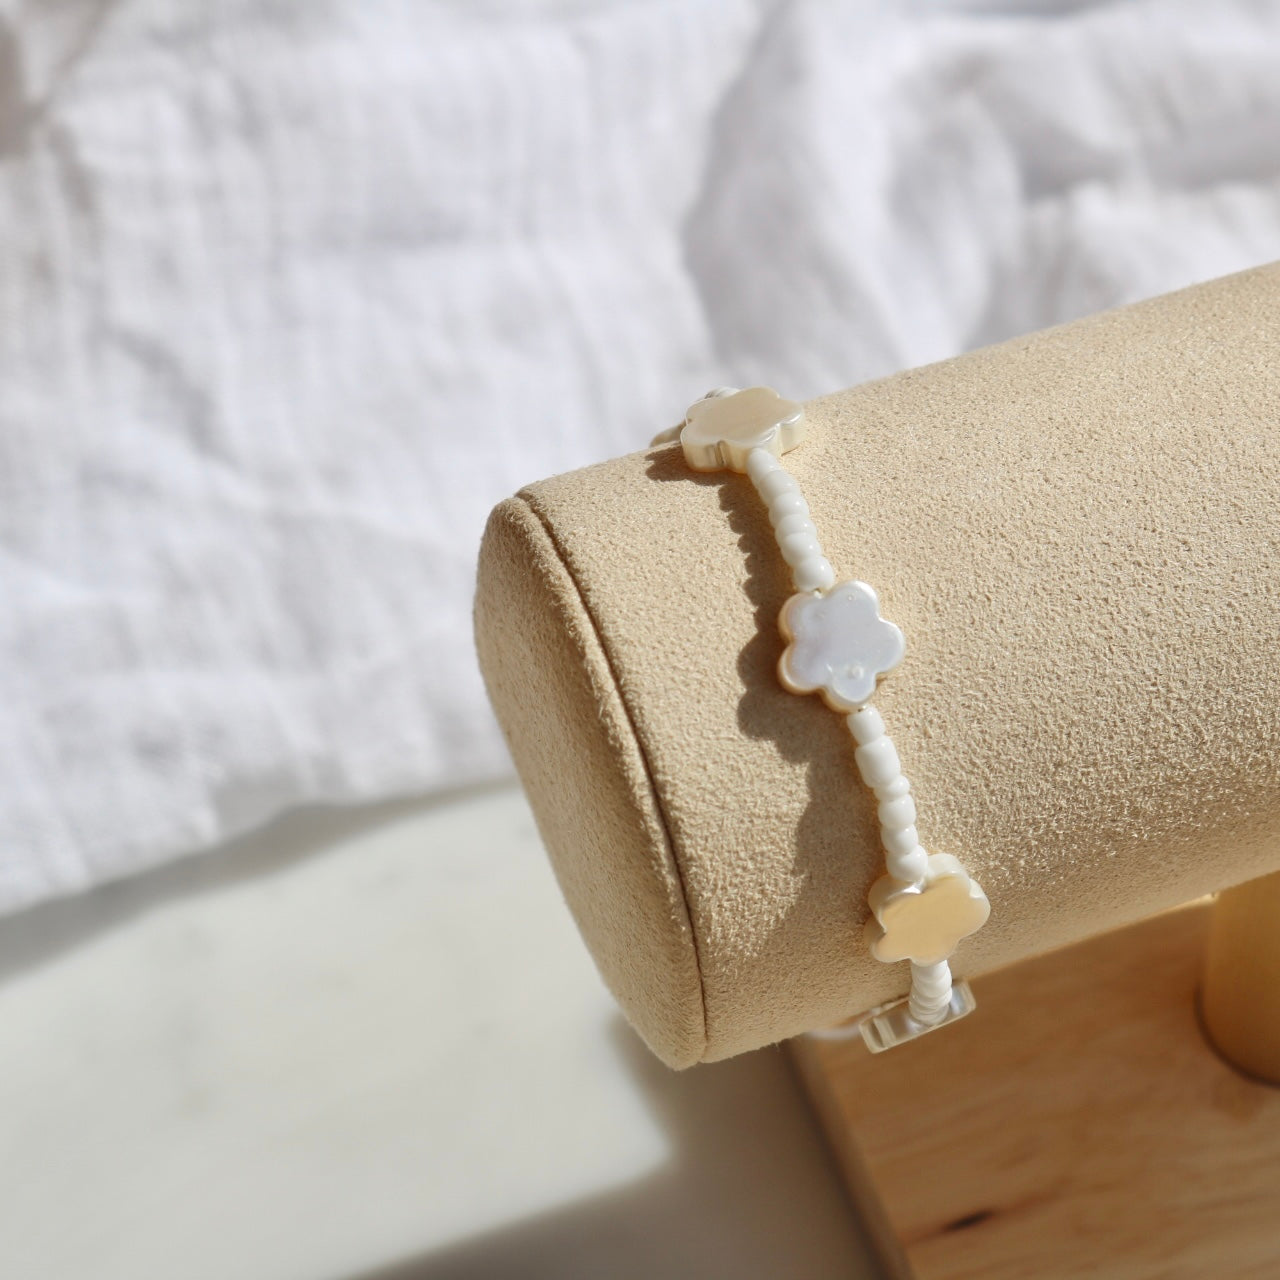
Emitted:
<point x="813" y="574"/>
<point x="924" y="922"/>
<point x="866" y="725"/>
<point x="898" y="812"/>
<point x="878" y="762"/>
<point x="908" y="867"/>
<point x="838" y="643"/>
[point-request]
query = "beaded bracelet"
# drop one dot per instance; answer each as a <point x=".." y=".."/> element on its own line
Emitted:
<point x="838" y="645"/>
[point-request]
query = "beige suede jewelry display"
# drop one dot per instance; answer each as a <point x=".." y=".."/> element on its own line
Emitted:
<point x="839" y="646"/>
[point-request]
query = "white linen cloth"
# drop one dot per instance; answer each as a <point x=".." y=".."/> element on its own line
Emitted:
<point x="293" y="293"/>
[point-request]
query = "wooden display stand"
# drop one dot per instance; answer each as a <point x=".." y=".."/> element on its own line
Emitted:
<point x="1077" y="1124"/>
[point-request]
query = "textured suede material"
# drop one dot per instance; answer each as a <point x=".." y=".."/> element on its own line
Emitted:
<point x="1079" y="533"/>
<point x="592" y="796"/>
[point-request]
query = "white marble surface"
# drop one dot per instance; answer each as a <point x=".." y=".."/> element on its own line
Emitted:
<point x="370" y="1046"/>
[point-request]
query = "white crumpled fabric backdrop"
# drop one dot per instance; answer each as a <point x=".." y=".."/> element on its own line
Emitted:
<point x="293" y="293"/>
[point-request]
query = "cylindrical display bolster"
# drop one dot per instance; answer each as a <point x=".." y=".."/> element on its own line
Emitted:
<point x="1240" y="997"/>
<point x="1079" y="534"/>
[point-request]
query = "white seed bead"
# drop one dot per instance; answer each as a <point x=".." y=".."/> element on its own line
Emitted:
<point x="898" y="813"/>
<point x="878" y="762"/>
<point x="908" y="867"/>
<point x="930" y="992"/>
<point x="799" y="546"/>
<point x="814" y="574"/>
<point x="934" y="978"/>
<point x="787" y="504"/>
<point x="775" y="483"/>
<point x="902" y="841"/>
<point x="866" y="724"/>
<point x="898" y="786"/>
<point x="796" y="523"/>
<point x="761" y="463"/>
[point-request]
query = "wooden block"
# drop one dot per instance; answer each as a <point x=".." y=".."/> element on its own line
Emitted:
<point x="1076" y="1124"/>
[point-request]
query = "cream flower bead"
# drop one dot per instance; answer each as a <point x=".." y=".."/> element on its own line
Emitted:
<point x="925" y="922"/>
<point x="721" y="430"/>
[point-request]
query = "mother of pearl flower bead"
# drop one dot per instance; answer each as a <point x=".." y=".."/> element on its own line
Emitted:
<point x="925" y="922"/>
<point x="838" y="644"/>
<point x="722" y="429"/>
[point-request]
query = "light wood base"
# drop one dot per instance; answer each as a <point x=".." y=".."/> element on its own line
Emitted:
<point x="1076" y="1124"/>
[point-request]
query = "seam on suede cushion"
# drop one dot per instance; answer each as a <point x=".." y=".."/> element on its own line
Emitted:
<point x="641" y="754"/>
